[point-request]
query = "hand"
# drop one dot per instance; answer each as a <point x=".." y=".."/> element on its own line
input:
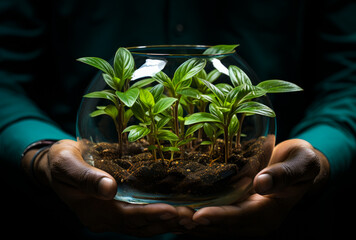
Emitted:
<point x="295" y="168"/>
<point x="89" y="192"/>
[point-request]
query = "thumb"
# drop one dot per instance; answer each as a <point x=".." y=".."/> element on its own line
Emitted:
<point x="68" y="167"/>
<point x="290" y="166"/>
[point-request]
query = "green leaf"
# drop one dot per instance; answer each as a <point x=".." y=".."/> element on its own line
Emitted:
<point x="157" y="91"/>
<point x="224" y="88"/>
<point x="167" y="135"/>
<point x="253" y="92"/>
<point x="206" y="143"/>
<point x="127" y="115"/>
<point x="278" y="86"/>
<point x="201" y="117"/>
<point x="220" y="49"/>
<point x="213" y="109"/>
<point x="244" y="93"/>
<point x="238" y="77"/>
<point x="105" y="94"/>
<point x="185" y="141"/>
<point x="111" y="110"/>
<point x="136" y="132"/>
<point x="251" y="108"/>
<point x="172" y="149"/>
<point x="138" y="111"/>
<point x="124" y="64"/>
<point x="110" y="81"/>
<point x="236" y="94"/>
<point x="202" y="74"/>
<point x="209" y="98"/>
<point x="233" y="126"/>
<point x="129" y="128"/>
<point x="188" y="69"/>
<point x="119" y="83"/>
<point x="209" y="129"/>
<point x="189" y="92"/>
<point x="142" y="83"/>
<point x="163" y="79"/>
<point x="219" y="94"/>
<point x="213" y="75"/>
<point x="193" y="129"/>
<point x="163" y="121"/>
<point x="98" y="113"/>
<point x="147" y="98"/>
<point x="129" y="97"/>
<point x="98" y="63"/>
<point x="163" y="104"/>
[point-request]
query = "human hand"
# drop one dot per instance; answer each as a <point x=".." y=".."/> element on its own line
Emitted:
<point x="295" y="168"/>
<point x="89" y="192"/>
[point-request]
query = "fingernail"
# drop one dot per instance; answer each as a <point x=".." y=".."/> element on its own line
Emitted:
<point x="264" y="183"/>
<point x="203" y="221"/>
<point x="104" y="187"/>
<point x="166" y="216"/>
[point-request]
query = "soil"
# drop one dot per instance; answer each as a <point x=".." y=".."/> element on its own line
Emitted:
<point x="194" y="173"/>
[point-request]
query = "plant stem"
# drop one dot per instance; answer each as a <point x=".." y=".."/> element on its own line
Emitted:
<point x="119" y="137"/>
<point x="151" y="140"/>
<point x="154" y="129"/>
<point x="211" y="149"/>
<point x="175" y="115"/>
<point x="200" y="131"/>
<point x="238" y="135"/>
<point x="160" y="149"/>
<point x="226" y="142"/>
<point x="227" y="122"/>
<point x="119" y="127"/>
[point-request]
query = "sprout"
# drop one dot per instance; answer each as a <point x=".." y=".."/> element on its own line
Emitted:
<point x="213" y="110"/>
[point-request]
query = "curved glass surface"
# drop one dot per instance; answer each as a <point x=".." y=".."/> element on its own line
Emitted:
<point x="182" y="158"/>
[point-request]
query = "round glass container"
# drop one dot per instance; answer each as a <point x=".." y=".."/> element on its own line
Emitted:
<point x="181" y="142"/>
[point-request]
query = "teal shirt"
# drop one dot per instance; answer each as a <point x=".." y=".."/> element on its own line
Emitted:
<point x="313" y="45"/>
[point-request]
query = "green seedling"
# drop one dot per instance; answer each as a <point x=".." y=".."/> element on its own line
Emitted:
<point x="228" y="101"/>
<point x="149" y="110"/>
<point x="216" y="110"/>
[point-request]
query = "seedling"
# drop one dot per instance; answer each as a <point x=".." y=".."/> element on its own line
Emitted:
<point x="225" y="105"/>
<point x="216" y="110"/>
<point x="149" y="109"/>
<point x="121" y="93"/>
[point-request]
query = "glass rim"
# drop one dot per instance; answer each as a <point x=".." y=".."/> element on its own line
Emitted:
<point x="136" y="50"/>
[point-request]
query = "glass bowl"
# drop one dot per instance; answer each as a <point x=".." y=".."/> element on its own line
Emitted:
<point x="168" y="144"/>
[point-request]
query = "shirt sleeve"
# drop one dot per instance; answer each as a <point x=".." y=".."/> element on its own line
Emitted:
<point x="22" y="47"/>
<point x="330" y="121"/>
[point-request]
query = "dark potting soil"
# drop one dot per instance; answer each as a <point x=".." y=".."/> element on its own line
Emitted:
<point x="195" y="172"/>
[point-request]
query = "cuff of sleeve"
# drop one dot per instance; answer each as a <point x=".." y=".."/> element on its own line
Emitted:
<point x="15" y="138"/>
<point x="335" y="144"/>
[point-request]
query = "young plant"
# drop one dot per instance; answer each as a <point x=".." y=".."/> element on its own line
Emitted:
<point x="121" y="94"/>
<point x="180" y="85"/>
<point x="190" y="88"/>
<point x="213" y="132"/>
<point x="225" y="104"/>
<point x="149" y="109"/>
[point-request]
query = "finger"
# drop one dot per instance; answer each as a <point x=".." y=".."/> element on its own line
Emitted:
<point x="246" y="218"/>
<point x="68" y="167"/>
<point x="180" y="224"/>
<point x="185" y="219"/>
<point x="147" y="219"/>
<point x="299" y="165"/>
<point x="143" y="214"/>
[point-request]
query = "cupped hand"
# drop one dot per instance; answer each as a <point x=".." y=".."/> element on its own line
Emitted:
<point x="295" y="168"/>
<point x="89" y="192"/>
